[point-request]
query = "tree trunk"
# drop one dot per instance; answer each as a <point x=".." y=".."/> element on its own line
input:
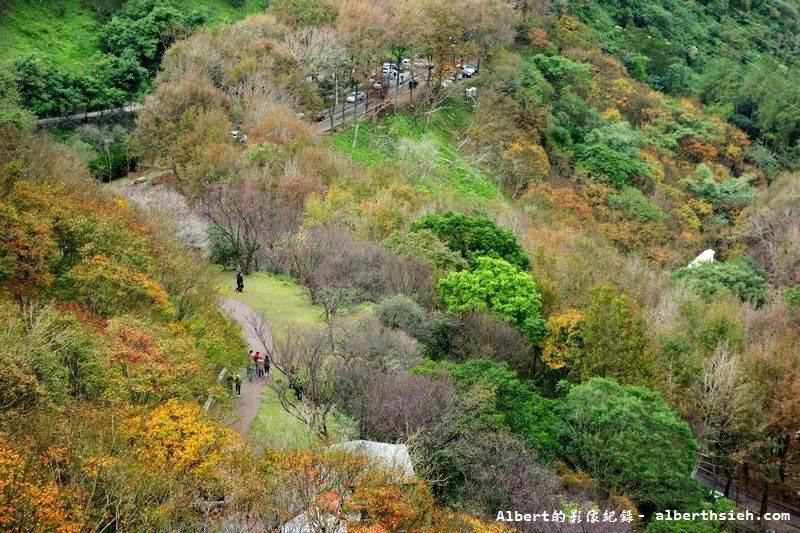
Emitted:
<point x="728" y="483"/>
<point x="764" y="500"/>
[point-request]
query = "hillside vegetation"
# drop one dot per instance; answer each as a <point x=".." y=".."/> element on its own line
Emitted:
<point x="498" y="282"/>
<point x="69" y="56"/>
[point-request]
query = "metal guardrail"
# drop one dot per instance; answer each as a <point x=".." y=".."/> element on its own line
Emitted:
<point x="131" y="109"/>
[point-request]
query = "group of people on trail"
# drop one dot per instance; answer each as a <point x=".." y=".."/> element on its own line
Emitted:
<point x="260" y="365"/>
<point x="234" y="385"/>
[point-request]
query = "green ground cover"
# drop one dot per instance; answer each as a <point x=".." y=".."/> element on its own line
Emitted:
<point x="433" y="146"/>
<point x="63" y="30"/>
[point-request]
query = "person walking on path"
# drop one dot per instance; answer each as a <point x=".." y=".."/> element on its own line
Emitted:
<point x="238" y="382"/>
<point x="256" y="359"/>
<point x="239" y="282"/>
<point x="266" y="363"/>
<point x="260" y="366"/>
<point x="250" y="371"/>
<point x="229" y="381"/>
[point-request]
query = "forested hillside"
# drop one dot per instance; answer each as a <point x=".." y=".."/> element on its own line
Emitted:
<point x="501" y="279"/>
<point x="70" y="56"/>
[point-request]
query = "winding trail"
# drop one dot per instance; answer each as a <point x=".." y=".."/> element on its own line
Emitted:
<point x="253" y="331"/>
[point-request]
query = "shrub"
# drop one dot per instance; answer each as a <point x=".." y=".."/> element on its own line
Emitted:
<point x="109" y="288"/>
<point x="741" y="275"/>
<point x="426" y="246"/>
<point x="479" y="335"/>
<point x="728" y="196"/>
<point x="635" y="204"/>
<point x="516" y="406"/>
<point x="27" y="251"/>
<point x="177" y="439"/>
<point x="112" y="166"/>
<point x="631" y="442"/>
<point x="391" y="406"/>
<point x="564" y="341"/>
<point x="474" y="237"/>
<point x="613" y="152"/>
<point x="222" y="251"/>
<point x="386" y="348"/>
<point x="403" y="313"/>
<point x="792" y="297"/>
<point x="30" y="501"/>
<point x="614" y="338"/>
<point x="333" y="257"/>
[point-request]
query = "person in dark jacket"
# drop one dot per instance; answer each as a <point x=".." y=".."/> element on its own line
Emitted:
<point x="239" y="282"/>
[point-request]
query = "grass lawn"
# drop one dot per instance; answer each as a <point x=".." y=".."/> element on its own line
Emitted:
<point x="60" y="30"/>
<point x="276" y="429"/>
<point x="282" y="303"/>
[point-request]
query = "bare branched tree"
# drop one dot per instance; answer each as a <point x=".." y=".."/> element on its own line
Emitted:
<point x="305" y="388"/>
<point x="248" y="214"/>
<point x="172" y="208"/>
<point x="718" y="397"/>
<point x="260" y="331"/>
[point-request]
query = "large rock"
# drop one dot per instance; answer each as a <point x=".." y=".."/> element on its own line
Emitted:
<point x="706" y="257"/>
<point x="382" y="455"/>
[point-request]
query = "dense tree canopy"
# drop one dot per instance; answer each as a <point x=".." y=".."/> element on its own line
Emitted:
<point x="630" y="441"/>
<point x="497" y="286"/>
<point x="740" y="275"/>
<point x="474" y="237"/>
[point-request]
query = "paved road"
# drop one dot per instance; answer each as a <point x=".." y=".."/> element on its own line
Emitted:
<point x="91" y="115"/>
<point x="246" y="407"/>
<point x="352" y="110"/>
<point x="744" y="500"/>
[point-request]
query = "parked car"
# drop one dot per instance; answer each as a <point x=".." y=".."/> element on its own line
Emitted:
<point x="389" y="67"/>
<point x="413" y="84"/>
<point x="358" y="95"/>
<point x="446" y="83"/>
<point x="468" y="71"/>
<point x="320" y="118"/>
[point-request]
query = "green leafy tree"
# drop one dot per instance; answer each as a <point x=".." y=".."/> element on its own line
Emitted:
<point x="728" y="196"/>
<point x="635" y="204"/>
<point x="560" y="70"/>
<point x="741" y="275"/>
<point x="615" y="340"/>
<point x="497" y="286"/>
<point x="425" y="245"/>
<point x="631" y="442"/>
<point x="474" y="237"/>
<point x="144" y="31"/>
<point x="44" y="89"/>
<point x="12" y="109"/>
<point x="612" y="151"/>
